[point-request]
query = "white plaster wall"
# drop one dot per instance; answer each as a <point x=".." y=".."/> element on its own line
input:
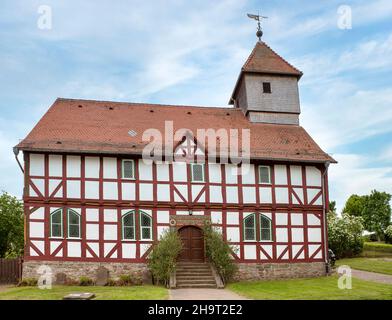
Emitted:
<point x="55" y="165"/>
<point x="146" y="192"/>
<point x="265" y="195"/>
<point x="161" y="230"/>
<point x="233" y="234"/>
<point x="248" y="174"/>
<point x="249" y="194"/>
<point x="280" y="174"/>
<point x="40" y="184"/>
<point x="281" y="235"/>
<point x="232" y="218"/>
<point x="128" y="191"/>
<point x="110" y="191"/>
<point x="216" y="194"/>
<point x="313" y="176"/>
<point x="38" y="214"/>
<point x="183" y="190"/>
<point x="215" y="172"/>
<point x="163" y="172"/>
<point x="37" y="229"/>
<point x="249" y="252"/>
<point x="179" y="171"/>
<point x="297" y="219"/>
<point x="145" y="170"/>
<point x="92" y="231"/>
<point x="110" y="232"/>
<point x="110" y="215"/>
<point x="314" y="234"/>
<point x="216" y="217"/>
<point x="281" y="218"/>
<point x="296" y="175"/>
<point x="53" y="184"/>
<point x="163" y="192"/>
<point x="297" y="234"/>
<point x="231" y="171"/>
<point x="92" y="214"/>
<point x="129" y="250"/>
<point x="110" y="168"/>
<point x="313" y="220"/>
<point x="73" y="189"/>
<point x="232" y="194"/>
<point x="282" y="195"/>
<point x="74" y="249"/>
<point x="73" y="166"/>
<point x="91" y="190"/>
<point x="37" y="164"/>
<point x="163" y="216"/>
<point x="92" y="167"/>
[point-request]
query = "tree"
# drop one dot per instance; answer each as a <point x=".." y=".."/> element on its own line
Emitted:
<point x="345" y="234"/>
<point x="11" y="226"/>
<point x="376" y="212"/>
<point x="332" y="206"/>
<point x="354" y="205"/>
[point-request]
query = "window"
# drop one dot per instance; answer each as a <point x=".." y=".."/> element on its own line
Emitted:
<point x="145" y="226"/>
<point x="56" y="223"/>
<point x="197" y="172"/>
<point x="73" y="224"/>
<point x="266" y="87"/>
<point x="264" y="174"/>
<point x="265" y="228"/>
<point x="128" y="226"/>
<point x="128" y="169"/>
<point x="250" y="228"/>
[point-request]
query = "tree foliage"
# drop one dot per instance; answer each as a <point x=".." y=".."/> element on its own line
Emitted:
<point x="388" y="234"/>
<point x="375" y="210"/>
<point x="11" y="226"/>
<point x="162" y="260"/>
<point x="345" y="234"/>
<point x="218" y="252"/>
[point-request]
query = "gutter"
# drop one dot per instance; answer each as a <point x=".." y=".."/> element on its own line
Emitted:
<point x="16" y="153"/>
<point x="325" y="216"/>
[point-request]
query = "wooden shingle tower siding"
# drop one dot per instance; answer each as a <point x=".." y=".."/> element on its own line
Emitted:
<point x="90" y="199"/>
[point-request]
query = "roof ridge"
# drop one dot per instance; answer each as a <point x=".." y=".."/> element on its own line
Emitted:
<point x="147" y="104"/>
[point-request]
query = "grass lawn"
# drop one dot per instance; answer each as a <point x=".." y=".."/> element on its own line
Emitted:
<point x="101" y="293"/>
<point x="324" y="288"/>
<point x="380" y="265"/>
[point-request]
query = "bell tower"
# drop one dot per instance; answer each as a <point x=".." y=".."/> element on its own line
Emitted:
<point x="267" y="88"/>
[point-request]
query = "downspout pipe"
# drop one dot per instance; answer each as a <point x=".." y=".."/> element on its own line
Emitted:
<point x="325" y="206"/>
<point x="16" y="153"/>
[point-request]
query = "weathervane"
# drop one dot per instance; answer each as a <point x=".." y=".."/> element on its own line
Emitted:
<point x="257" y="17"/>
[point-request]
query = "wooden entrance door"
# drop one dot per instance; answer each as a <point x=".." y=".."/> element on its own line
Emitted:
<point x="193" y="244"/>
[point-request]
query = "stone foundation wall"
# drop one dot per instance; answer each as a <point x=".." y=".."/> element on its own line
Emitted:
<point x="75" y="270"/>
<point x="267" y="271"/>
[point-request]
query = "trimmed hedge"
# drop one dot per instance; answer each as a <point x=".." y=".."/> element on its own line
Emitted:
<point x="377" y="246"/>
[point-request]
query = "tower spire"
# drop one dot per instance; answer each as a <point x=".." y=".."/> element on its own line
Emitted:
<point x="257" y="17"/>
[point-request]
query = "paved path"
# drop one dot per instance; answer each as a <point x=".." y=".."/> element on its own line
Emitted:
<point x="372" y="276"/>
<point x="203" y="294"/>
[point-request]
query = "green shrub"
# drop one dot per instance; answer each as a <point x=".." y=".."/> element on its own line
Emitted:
<point x="111" y="283"/>
<point x="162" y="260"/>
<point x="345" y="235"/>
<point x="388" y="234"/>
<point x="85" y="281"/>
<point x="28" y="282"/>
<point x="219" y="253"/>
<point x="377" y="246"/>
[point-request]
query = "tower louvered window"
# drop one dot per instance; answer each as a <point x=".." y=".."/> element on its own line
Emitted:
<point x="197" y="171"/>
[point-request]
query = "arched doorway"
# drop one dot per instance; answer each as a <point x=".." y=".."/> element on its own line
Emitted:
<point x="193" y="244"/>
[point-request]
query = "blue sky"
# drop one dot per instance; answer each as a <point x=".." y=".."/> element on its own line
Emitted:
<point x="183" y="52"/>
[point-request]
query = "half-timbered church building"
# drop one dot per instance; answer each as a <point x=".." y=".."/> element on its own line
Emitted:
<point x="91" y="201"/>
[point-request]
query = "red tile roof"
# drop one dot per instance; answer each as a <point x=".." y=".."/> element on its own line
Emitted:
<point x="86" y="126"/>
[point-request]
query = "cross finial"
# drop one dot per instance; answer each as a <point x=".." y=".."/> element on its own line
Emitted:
<point x="257" y="17"/>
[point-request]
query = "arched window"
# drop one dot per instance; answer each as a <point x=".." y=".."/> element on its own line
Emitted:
<point x="56" y="223"/>
<point x="73" y="224"/>
<point x="265" y="228"/>
<point x="250" y="228"/>
<point x="145" y="226"/>
<point x="128" y="226"/>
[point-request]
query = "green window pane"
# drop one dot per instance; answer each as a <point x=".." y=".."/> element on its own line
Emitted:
<point x="129" y="233"/>
<point x="146" y="221"/>
<point x="56" y="217"/>
<point x="249" y="228"/>
<point x="128" y="220"/>
<point x="146" y="233"/>
<point x="264" y="174"/>
<point x="249" y="234"/>
<point x="73" y="218"/>
<point x="197" y="172"/>
<point x="265" y="234"/>
<point x="128" y="169"/>
<point x="74" y="231"/>
<point x="56" y="230"/>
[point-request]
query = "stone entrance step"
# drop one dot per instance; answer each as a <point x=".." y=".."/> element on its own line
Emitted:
<point x="194" y="275"/>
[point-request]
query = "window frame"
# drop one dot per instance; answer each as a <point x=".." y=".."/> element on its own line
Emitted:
<point x="61" y="224"/>
<point x="261" y="215"/>
<point x="133" y="212"/>
<point x="203" y="172"/>
<point x="269" y="174"/>
<point x="254" y="228"/>
<point x="141" y="213"/>
<point x="68" y="224"/>
<point x="265" y="86"/>
<point x="122" y="169"/>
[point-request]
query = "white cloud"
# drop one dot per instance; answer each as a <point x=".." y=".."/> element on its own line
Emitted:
<point x="355" y="174"/>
